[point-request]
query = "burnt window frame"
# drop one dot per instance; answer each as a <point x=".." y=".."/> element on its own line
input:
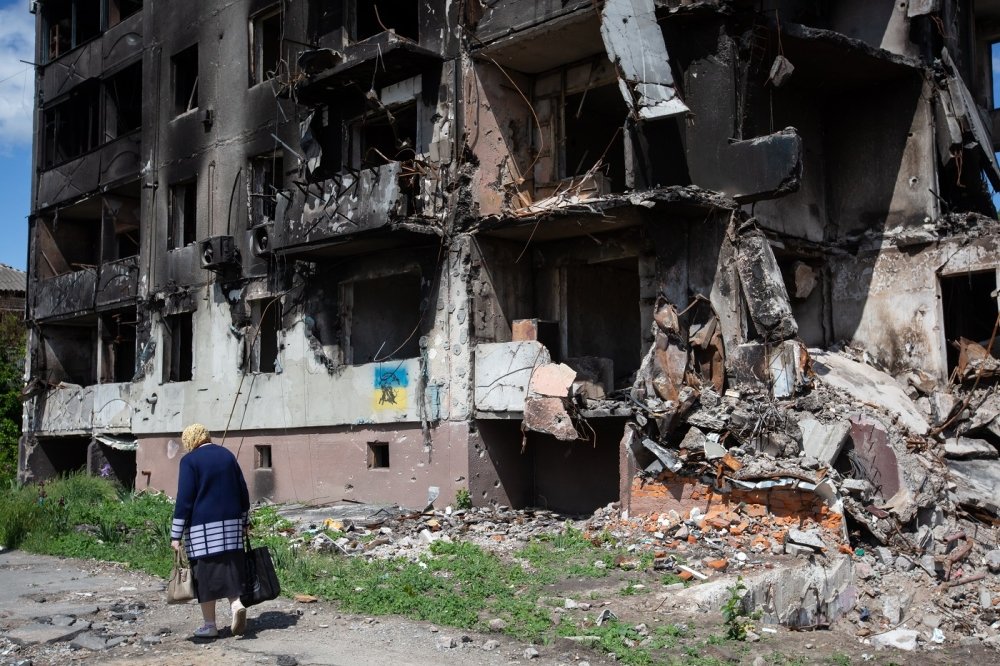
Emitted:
<point x="601" y="75"/>
<point x="182" y="230"/>
<point x="111" y="96"/>
<point x="121" y="372"/>
<point x="267" y="176"/>
<point x="264" y="345"/>
<point x="258" y="72"/>
<point x="178" y="348"/>
<point x="74" y="40"/>
<point x="184" y="90"/>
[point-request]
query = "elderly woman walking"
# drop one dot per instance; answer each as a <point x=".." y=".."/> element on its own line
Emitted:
<point x="211" y="515"/>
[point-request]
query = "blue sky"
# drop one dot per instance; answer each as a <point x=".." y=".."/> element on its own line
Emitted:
<point x="17" y="39"/>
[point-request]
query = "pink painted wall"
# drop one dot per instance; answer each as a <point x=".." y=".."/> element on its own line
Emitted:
<point x="329" y="464"/>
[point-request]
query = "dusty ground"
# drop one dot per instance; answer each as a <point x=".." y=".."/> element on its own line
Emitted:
<point x="121" y="602"/>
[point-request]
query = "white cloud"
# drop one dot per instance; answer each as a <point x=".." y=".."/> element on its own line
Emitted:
<point x="17" y="83"/>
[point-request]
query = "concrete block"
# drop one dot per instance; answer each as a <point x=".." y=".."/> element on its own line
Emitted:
<point x="823" y="441"/>
<point x="901" y="639"/>
<point x="967" y="448"/>
<point x="503" y="371"/>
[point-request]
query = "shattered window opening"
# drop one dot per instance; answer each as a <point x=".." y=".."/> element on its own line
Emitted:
<point x="969" y="305"/>
<point x="182" y="229"/>
<point x="265" y="329"/>
<point x="119" y="340"/>
<point x="592" y="133"/>
<point x="71" y="127"/>
<point x="387" y="135"/>
<point x="266" y="179"/>
<point x="373" y="17"/>
<point x="380" y="318"/>
<point x="178" y="348"/>
<point x="70" y="351"/>
<point x="601" y="316"/>
<point x="123" y="94"/>
<point x="70" y="23"/>
<point x="65" y="455"/>
<point x="378" y="455"/>
<point x="266" y="33"/>
<point x="184" y="74"/>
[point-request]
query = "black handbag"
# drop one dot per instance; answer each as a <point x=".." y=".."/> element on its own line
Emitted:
<point x="261" y="580"/>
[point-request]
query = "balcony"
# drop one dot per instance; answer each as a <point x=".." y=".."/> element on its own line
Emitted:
<point x="112" y="162"/>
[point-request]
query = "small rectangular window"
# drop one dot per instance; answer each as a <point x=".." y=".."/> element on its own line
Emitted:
<point x="182" y="217"/>
<point x="265" y="46"/>
<point x="178" y="347"/>
<point x="262" y="456"/>
<point x="378" y="455"/>
<point x="266" y="175"/>
<point x="184" y="74"/>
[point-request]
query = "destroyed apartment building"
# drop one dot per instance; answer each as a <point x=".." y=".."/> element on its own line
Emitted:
<point x="560" y="253"/>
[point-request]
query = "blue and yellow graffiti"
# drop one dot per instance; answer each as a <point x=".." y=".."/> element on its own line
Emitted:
<point x="390" y="387"/>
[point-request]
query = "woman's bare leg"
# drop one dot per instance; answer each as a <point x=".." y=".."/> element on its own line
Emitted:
<point x="208" y="611"/>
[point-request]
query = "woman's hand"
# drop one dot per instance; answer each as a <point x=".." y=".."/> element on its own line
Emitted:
<point x="175" y="544"/>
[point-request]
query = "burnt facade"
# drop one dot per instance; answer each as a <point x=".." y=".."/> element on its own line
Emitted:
<point x="386" y="250"/>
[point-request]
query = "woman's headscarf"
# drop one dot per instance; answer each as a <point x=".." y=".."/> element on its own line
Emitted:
<point x="194" y="436"/>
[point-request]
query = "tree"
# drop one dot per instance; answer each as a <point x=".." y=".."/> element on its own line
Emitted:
<point x="12" y="348"/>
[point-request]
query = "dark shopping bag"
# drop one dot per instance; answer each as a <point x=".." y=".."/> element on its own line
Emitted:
<point x="261" y="580"/>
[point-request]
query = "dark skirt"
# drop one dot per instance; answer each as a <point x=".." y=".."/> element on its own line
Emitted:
<point x="219" y="576"/>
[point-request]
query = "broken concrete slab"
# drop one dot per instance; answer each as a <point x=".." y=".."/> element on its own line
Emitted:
<point x="666" y="459"/>
<point x="548" y="415"/>
<point x="964" y="448"/>
<point x="868" y="385"/>
<point x="977" y="484"/>
<point x="823" y="441"/>
<point x="809" y="538"/>
<point x="901" y="639"/>
<point x="34" y="634"/>
<point x="797" y="596"/>
<point x="781" y="368"/>
<point x="635" y="45"/>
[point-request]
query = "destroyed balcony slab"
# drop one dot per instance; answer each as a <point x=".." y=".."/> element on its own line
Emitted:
<point x="868" y="385"/>
<point x="386" y="57"/>
<point x="520" y="33"/>
<point x="823" y="441"/>
<point x="831" y="61"/>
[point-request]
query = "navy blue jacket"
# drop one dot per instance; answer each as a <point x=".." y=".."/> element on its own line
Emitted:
<point x="213" y="503"/>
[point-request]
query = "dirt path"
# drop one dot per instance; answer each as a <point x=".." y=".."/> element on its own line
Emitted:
<point x="59" y="611"/>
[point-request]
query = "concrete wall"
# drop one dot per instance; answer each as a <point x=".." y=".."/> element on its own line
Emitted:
<point x="888" y="300"/>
